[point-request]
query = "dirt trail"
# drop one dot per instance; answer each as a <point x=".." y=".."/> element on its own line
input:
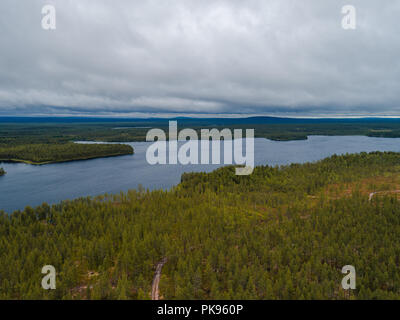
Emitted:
<point x="371" y="195"/>
<point x="156" y="280"/>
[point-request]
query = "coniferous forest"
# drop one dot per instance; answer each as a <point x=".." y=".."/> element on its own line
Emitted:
<point x="60" y="152"/>
<point x="280" y="233"/>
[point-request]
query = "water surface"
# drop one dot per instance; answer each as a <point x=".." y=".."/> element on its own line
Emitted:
<point x="32" y="185"/>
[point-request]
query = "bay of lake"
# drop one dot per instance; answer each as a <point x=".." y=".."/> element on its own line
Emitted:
<point x="32" y="185"/>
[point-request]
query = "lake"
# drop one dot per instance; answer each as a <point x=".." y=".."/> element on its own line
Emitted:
<point x="32" y="185"/>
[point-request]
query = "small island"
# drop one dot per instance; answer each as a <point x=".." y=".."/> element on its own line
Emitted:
<point x="2" y="172"/>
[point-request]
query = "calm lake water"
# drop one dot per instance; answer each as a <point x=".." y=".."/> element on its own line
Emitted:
<point x="32" y="185"/>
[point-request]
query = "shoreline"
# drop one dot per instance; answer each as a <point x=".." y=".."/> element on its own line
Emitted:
<point x="62" y="161"/>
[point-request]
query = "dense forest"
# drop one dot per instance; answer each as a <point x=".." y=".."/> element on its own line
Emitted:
<point x="2" y="172"/>
<point x="281" y="233"/>
<point x="60" y="152"/>
<point x="28" y="131"/>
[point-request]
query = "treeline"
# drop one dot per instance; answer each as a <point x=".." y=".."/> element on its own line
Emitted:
<point x="59" y="152"/>
<point x="48" y="132"/>
<point x="295" y="180"/>
<point x="272" y="235"/>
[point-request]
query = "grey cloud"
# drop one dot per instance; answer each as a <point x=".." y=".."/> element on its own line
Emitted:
<point x="282" y="57"/>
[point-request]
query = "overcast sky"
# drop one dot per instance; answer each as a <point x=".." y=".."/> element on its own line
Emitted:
<point x="138" y="58"/>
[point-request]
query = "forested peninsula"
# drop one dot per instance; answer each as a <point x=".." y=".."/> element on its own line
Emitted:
<point x="60" y="152"/>
<point x="280" y="233"/>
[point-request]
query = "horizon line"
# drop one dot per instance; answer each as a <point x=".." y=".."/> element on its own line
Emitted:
<point x="203" y="116"/>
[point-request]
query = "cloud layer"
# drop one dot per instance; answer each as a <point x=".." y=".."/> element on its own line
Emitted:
<point x="278" y="57"/>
